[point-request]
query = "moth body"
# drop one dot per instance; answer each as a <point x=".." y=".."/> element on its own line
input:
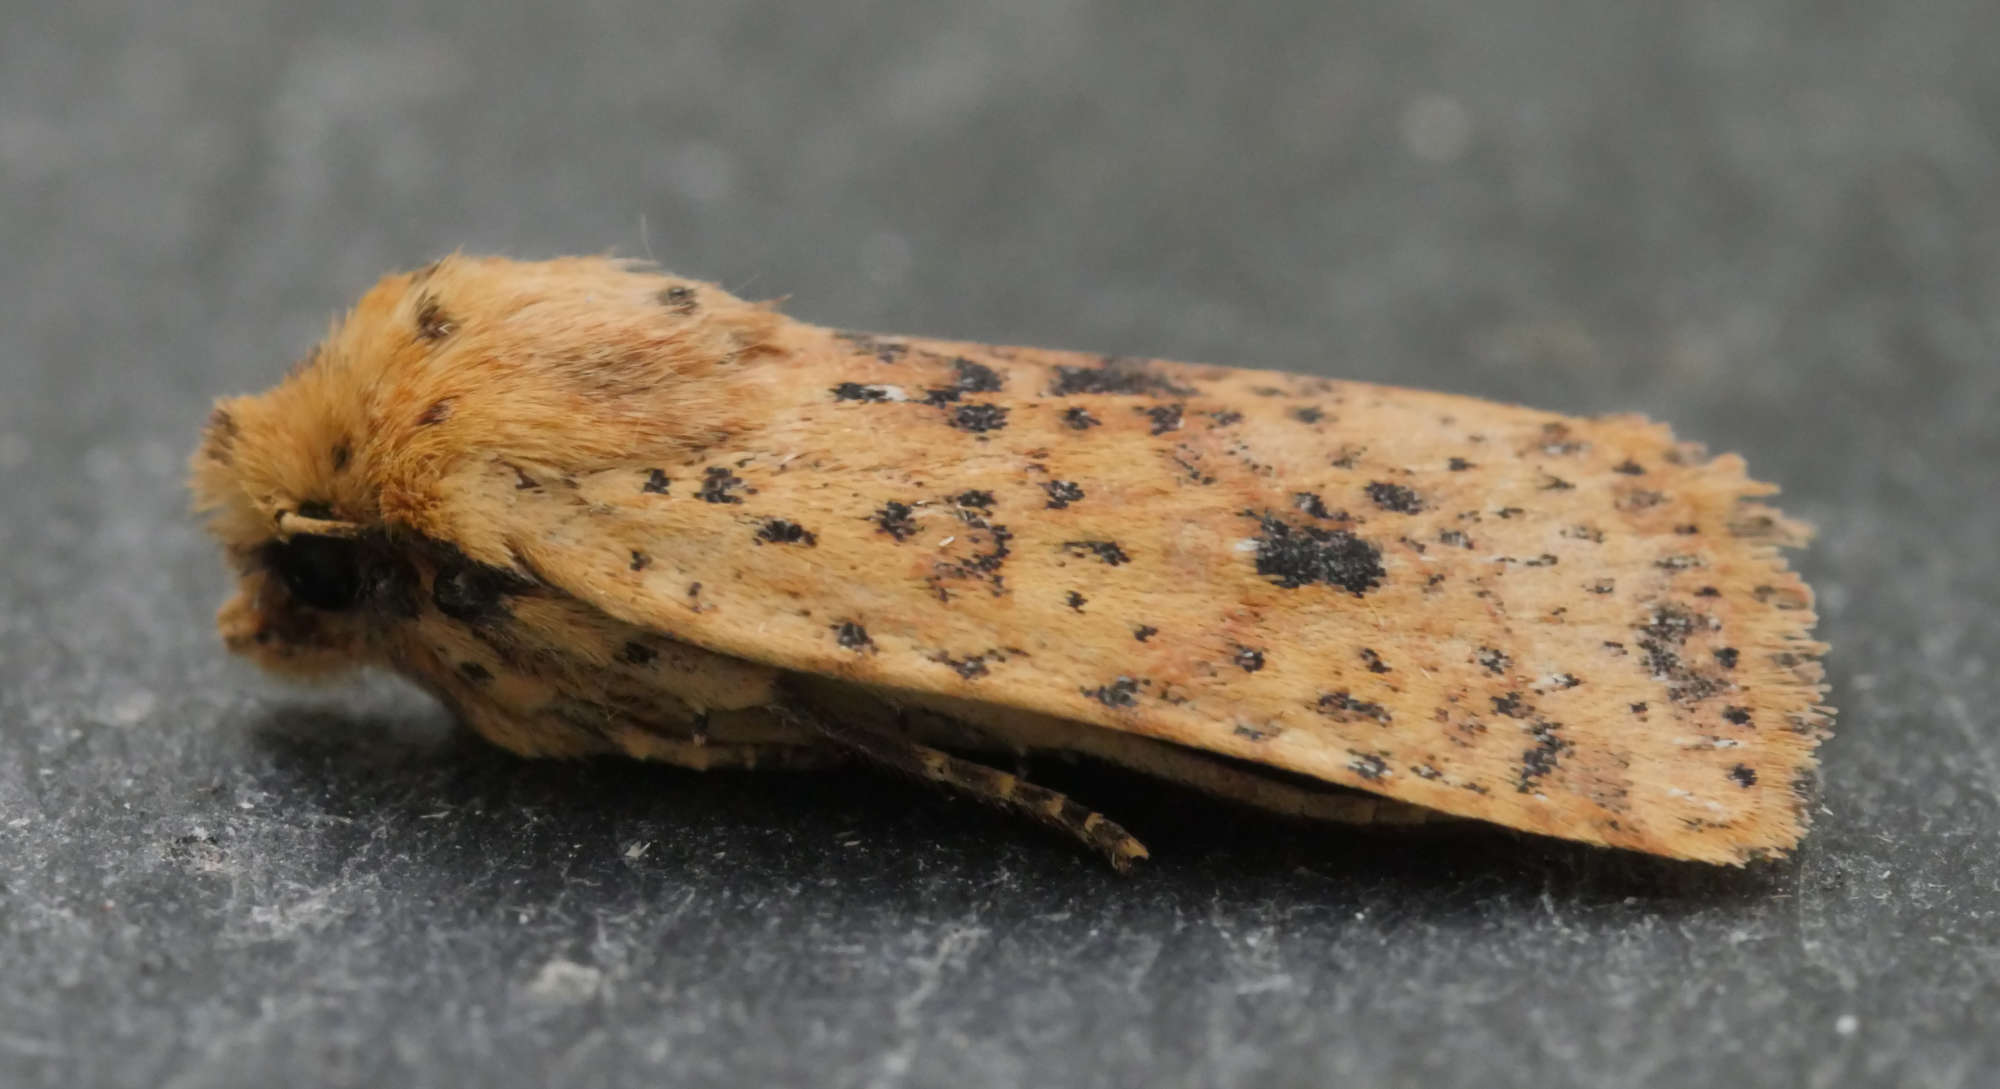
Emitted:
<point x="596" y="508"/>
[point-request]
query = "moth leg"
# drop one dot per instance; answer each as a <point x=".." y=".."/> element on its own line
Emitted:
<point x="1272" y="791"/>
<point x="986" y="784"/>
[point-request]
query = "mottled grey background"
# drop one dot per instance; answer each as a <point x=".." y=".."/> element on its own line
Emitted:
<point x="1771" y="223"/>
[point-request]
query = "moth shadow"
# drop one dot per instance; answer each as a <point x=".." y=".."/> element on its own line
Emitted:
<point x="427" y="790"/>
<point x="1433" y="869"/>
<point x="439" y="797"/>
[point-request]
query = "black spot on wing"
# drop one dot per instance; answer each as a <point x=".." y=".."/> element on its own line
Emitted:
<point x="433" y="323"/>
<point x="1106" y="552"/>
<point x="970" y="377"/>
<point x="679" y="298"/>
<point x="1367" y="765"/>
<point x="979" y="418"/>
<point x="1540" y="759"/>
<point x="1292" y="556"/>
<point x="1077" y="418"/>
<point x="779" y="531"/>
<point x="1062" y="493"/>
<point x="1116" y="374"/>
<point x="719" y="485"/>
<point x="894" y="519"/>
<point x="855" y="391"/>
<point x="1342" y="706"/>
<point x="656" y="482"/>
<point x="1189" y="463"/>
<point x="1123" y="692"/>
<point x="852" y="636"/>
<point x="1165" y="418"/>
<point x="967" y="668"/>
<point x="1662" y="638"/>
<point x="1395" y="498"/>
<point x="992" y="543"/>
<point x="474" y="593"/>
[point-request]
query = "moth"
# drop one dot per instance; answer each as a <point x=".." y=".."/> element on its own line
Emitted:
<point x="597" y="508"/>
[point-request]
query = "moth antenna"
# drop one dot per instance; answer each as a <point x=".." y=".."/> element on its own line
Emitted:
<point x="975" y="780"/>
<point x="292" y="523"/>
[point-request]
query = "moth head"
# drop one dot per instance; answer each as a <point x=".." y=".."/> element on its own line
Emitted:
<point x="314" y="593"/>
<point x="314" y="486"/>
<point x="278" y="476"/>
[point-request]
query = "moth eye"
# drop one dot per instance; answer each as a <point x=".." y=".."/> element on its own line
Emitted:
<point x="322" y="572"/>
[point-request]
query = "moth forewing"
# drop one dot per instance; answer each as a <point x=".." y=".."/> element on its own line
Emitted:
<point x="1577" y="627"/>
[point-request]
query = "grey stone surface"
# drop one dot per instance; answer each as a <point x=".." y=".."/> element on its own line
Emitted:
<point x="1771" y="223"/>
